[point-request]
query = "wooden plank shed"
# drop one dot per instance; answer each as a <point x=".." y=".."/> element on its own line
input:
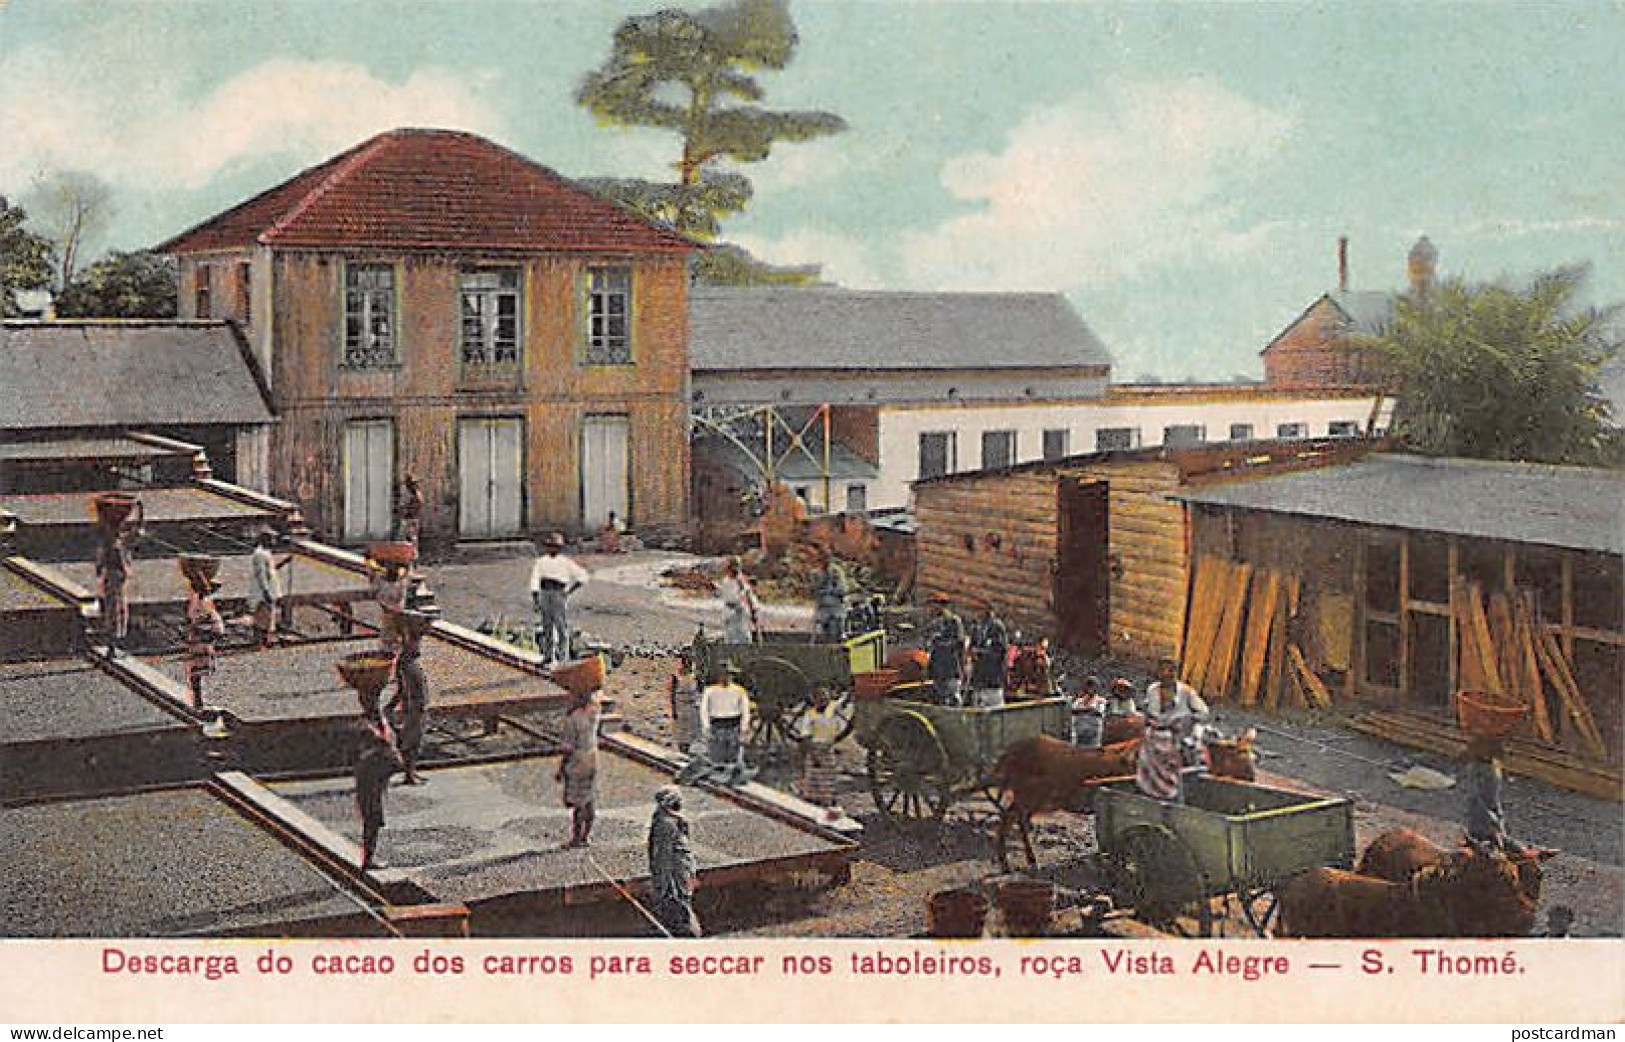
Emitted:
<point x="1380" y="543"/>
<point x="1091" y="551"/>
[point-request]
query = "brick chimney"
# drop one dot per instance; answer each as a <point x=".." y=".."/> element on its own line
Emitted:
<point x="1421" y="264"/>
<point x="1343" y="264"/>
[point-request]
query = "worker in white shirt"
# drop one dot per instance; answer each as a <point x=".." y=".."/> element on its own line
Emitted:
<point x="553" y="579"/>
<point x="819" y="728"/>
<point x="725" y="715"/>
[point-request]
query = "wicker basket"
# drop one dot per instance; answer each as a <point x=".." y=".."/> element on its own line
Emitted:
<point x="365" y="671"/>
<point x="112" y="509"/>
<point x="1490" y="713"/>
<point x="581" y="677"/>
<point x="199" y="566"/>
<point x="1026" y="906"/>
<point x="400" y="553"/>
<point x="876" y="684"/>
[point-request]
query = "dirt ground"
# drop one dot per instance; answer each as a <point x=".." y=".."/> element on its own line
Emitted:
<point x="897" y="869"/>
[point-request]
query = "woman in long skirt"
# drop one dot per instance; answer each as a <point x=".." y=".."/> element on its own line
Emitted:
<point x="578" y="771"/>
<point x="671" y="865"/>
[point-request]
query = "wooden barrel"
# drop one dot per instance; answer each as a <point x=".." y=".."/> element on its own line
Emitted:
<point x="875" y="684"/>
<point x="112" y="509"/>
<point x="1026" y="906"/>
<point x="955" y="913"/>
<point x="1490" y="714"/>
<point x="582" y="676"/>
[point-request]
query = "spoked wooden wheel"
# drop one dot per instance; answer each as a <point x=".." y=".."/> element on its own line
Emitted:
<point x="1259" y="906"/>
<point x="1157" y="875"/>
<point x="908" y="770"/>
<point x="779" y="691"/>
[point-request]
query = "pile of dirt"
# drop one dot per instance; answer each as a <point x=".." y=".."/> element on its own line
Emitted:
<point x="697" y="579"/>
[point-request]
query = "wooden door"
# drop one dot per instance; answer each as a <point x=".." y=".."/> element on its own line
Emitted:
<point x="605" y="471"/>
<point x="369" y="479"/>
<point x="490" y="502"/>
<point x="1082" y="573"/>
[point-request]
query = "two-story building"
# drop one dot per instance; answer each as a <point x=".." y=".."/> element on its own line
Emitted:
<point x="432" y="304"/>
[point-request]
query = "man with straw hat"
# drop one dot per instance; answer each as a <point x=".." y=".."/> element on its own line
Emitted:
<point x="671" y="865"/>
<point x="553" y="578"/>
<point x="204" y="624"/>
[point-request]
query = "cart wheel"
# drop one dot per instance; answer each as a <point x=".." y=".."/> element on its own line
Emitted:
<point x="1157" y="875"/>
<point x="1258" y="906"/>
<point x="908" y="770"/>
<point x="779" y="691"/>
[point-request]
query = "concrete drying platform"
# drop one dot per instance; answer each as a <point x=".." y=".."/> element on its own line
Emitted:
<point x="19" y="595"/>
<point x="486" y="832"/>
<point x="157" y="581"/>
<point x="70" y="698"/>
<point x="161" y="506"/>
<point x="70" y="728"/>
<point x="298" y="682"/>
<point x="178" y="862"/>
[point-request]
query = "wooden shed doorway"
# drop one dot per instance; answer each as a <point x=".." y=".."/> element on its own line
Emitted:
<point x="1082" y="574"/>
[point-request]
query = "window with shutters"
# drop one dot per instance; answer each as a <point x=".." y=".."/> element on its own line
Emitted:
<point x="1181" y="434"/>
<point x="1241" y="432"/>
<point x="609" y="316"/>
<point x="369" y="316"/>
<point x="1057" y="444"/>
<point x="491" y="306"/>
<point x="998" y="449"/>
<point x="1292" y="430"/>
<point x="1108" y="439"/>
<point x="937" y="454"/>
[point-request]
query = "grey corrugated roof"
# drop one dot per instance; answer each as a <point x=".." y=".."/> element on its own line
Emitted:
<point x="1369" y="312"/>
<point x="831" y="328"/>
<point x="126" y="374"/>
<point x="1571" y="507"/>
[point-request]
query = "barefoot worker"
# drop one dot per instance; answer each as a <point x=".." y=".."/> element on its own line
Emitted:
<point x="578" y="770"/>
<point x="409" y="709"/>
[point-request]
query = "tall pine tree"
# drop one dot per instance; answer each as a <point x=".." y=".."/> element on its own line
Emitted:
<point x="693" y="74"/>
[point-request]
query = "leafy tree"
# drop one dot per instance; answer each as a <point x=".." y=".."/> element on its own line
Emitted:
<point x="1497" y="371"/>
<point x="692" y="73"/>
<point x="26" y="261"/>
<point x="139" y="284"/>
<point x="71" y="207"/>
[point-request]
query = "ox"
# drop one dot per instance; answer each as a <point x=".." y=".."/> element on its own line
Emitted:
<point x="1470" y="893"/>
<point x="1399" y="854"/>
<point x="1043" y="774"/>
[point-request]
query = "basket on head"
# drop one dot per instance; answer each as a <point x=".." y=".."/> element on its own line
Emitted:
<point x="580" y="677"/>
<point x="199" y="566"/>
<point x="365" y="671"/>
<point x="397" y="553"/>
<point x="112" y="509"/>
<point x="1490" y="713"/>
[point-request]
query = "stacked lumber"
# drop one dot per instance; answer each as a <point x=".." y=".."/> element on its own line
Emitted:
<point x="1523" y="756"/>
<point x="1237" y="638"/>
<point x="1503" y="646"/>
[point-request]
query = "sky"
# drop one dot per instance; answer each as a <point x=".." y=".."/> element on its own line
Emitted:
<point x="1180" y="171"/>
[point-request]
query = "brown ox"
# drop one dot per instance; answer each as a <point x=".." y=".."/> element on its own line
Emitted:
<point x="1468" y="894"/>
<point x="1044" y="774"/>
<point x="1233" y="757"/>
<point x="1399" y="854"/>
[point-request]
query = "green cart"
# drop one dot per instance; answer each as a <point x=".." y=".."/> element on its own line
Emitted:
<point x="781" y="670"/>
<point x="923" y="756"/>
<point x="1171" y="860"/>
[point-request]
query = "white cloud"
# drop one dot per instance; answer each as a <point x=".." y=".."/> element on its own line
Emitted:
<point x="798" y="164"/>
<point x="1101" y="187"/>
<point x="156" y="137"/>
<point x="845" y="260"/>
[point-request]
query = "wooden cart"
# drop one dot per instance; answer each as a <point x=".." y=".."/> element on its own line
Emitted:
<point x="923" y="756"/>
<point x="1171" y="860"/>
<point x="781" y="670"/>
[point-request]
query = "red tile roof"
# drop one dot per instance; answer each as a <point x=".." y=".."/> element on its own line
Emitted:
<point x="427" y="190"/>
